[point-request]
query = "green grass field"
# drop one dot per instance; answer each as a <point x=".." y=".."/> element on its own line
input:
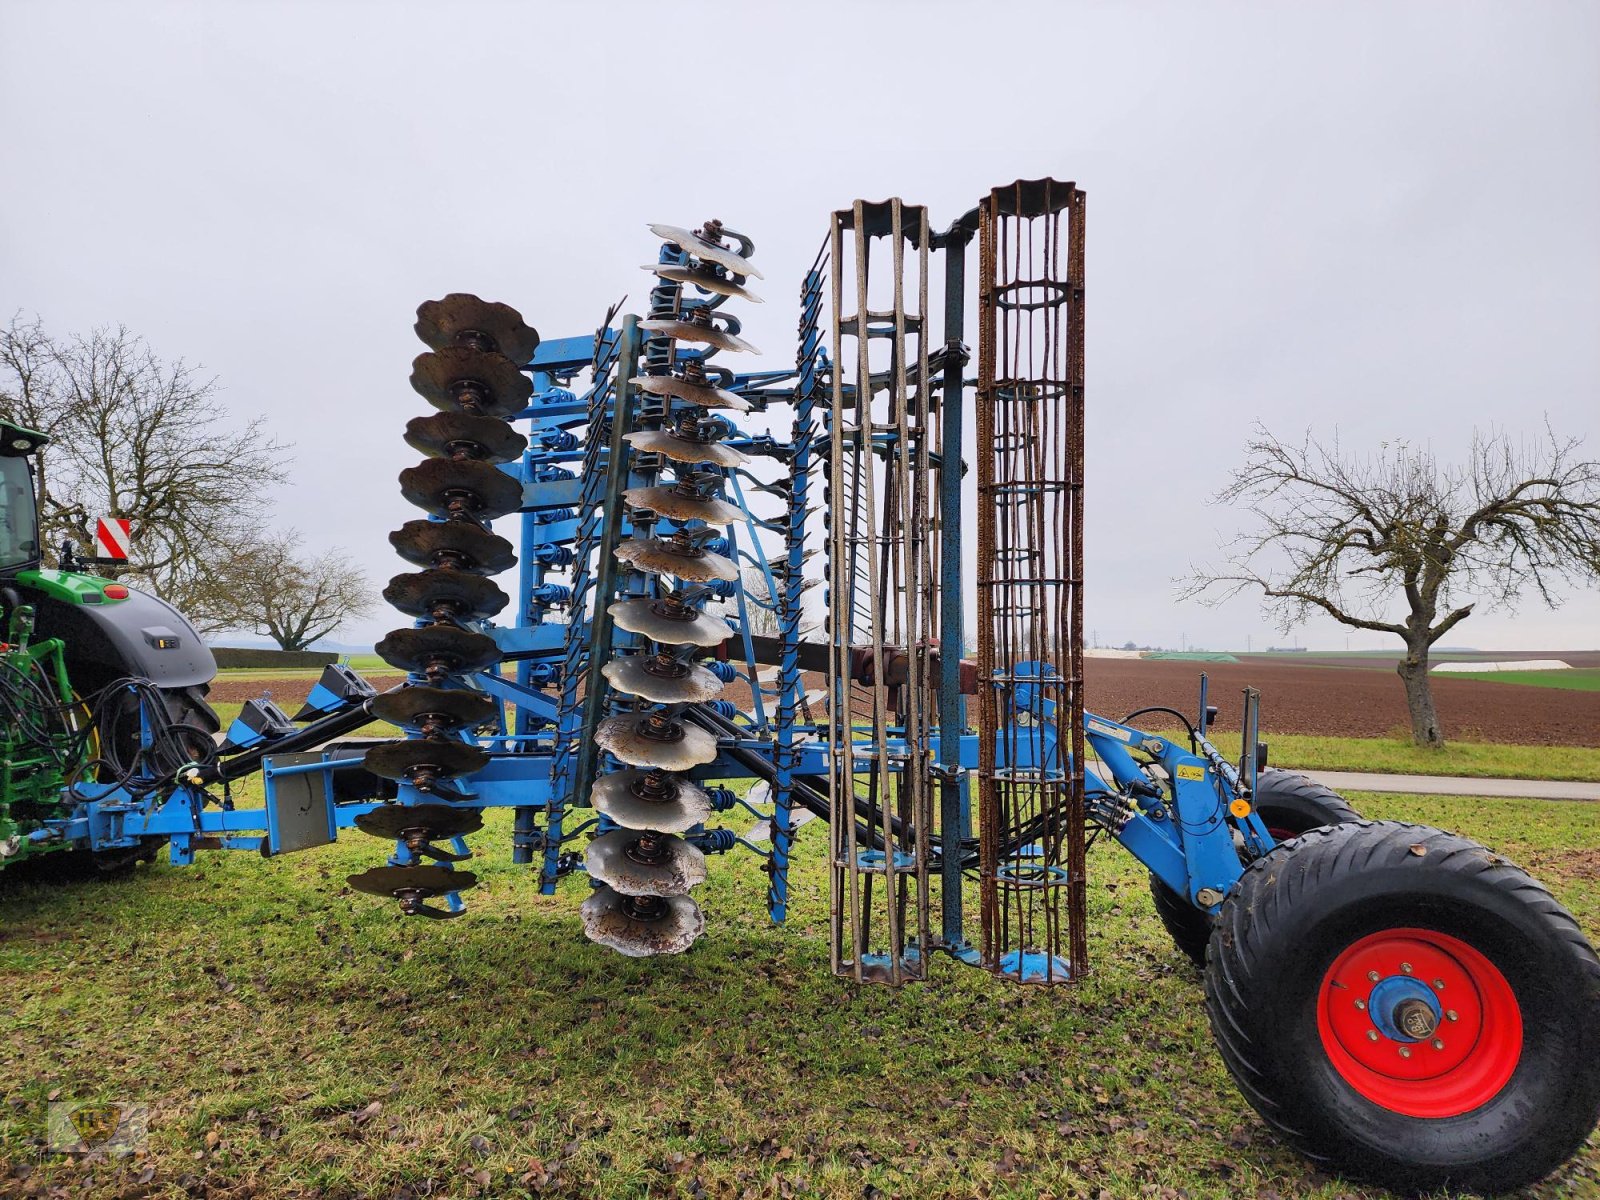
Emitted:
<point x="1577" y="679"/>
<point x="295" y="1040"/>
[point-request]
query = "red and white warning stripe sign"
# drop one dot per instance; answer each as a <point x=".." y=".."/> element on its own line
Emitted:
<point x="114" y="537"/>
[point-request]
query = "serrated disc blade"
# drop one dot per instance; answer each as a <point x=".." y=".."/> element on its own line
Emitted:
<point x="656" y="620"/>
<point x="677" y="505"/>
<point x="465" y="435"/>
<point x="438" y="758"/>
<point x="448" y="708"/>
<point x="642" y="675"/>
<point x="457" y="595"/>
<point x="705" y="250"/>
<point x="694" y="331"/>
<point x="606" y="920"/>
<point x="610" y="858"/>
<point x="671" y="804"/>
<point x="426" y="881"/>
<point x="687" y="450"/>
<point x="459" y="545"/>
<point x="461" y="316"/>
<point x="645" y="740"/>
<point x="437" y="650"/>
<point x="438" y="821"/>
<point x="704" y="394"/>
<point x="460" y="379"/>
<point x="702" y="278"/>
<point x="462" y="489"/>
<point x="658" y="556"/>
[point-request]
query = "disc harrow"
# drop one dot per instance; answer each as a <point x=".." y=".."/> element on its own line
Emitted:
<point x="663" y="658"/>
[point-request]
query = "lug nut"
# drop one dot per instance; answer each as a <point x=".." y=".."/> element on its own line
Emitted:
<point x="1437" y="1044"/>
<point x="1372" y="1035"/>
<point x="1438" y="985"/>
<point x="1361" y="1004"/>
<point x="1405" y="968"/>
<point x="1405" y="1052"/>
<point x="1374" y="976"/>
<point x="1451" y="1015"/>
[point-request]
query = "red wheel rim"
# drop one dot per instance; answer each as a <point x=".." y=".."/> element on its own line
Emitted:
<point x="1469" y="1047"/>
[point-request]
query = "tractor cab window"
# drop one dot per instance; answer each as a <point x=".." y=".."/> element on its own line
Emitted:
<point x="19" y="534"/>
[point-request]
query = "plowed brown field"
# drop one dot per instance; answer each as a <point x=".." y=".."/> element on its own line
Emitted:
<point x="1348" y="701"/>
<point x="1355" y="701"/>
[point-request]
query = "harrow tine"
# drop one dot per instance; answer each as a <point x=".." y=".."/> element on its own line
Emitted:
<point x="643" y="863"/>
<point x="650" y="799"/>
<point x="460" y="489"/>
<point x="670" y="621"/>
<point x="477" y="382"/>
<point x="642" y="926"/>
<point x="706" y="244"/>
<point x="455" y="545"/>
<point x="435" y="710"/>
<point x="662" y="679"/>
<point x="656" y="740"/>
<point x="462" y="319"/>
<point x="465" y="435"/>
<point x="445" y="595"/>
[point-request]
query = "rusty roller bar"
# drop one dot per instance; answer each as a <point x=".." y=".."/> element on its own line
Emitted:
<point x="883" y="591"/>
<point x="1030" y="581"/>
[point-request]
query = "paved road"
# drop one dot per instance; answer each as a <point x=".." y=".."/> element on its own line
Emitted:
<point x="1457" y="785"/>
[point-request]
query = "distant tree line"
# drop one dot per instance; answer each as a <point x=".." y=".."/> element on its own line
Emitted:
<point x="135" y="437"/>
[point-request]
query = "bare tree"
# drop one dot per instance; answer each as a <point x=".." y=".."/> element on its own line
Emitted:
<point x="1361" y="538"/>
<point x="142" y="439"/>
<point x="292" y="599"/>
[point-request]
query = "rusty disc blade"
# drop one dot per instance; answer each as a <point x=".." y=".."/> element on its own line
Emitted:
<point x="465" y="435"/>
<point x="706" y="250"/>
<point x="663" y="865"/>
<point x="694" y="331"/>
<point x="438" y="758"/>
<point x="458" y="545"/>
<point x="663" y="622"/>
<point x="437" y="821"/>
<point x="445" y="595"/>
<point x="654" y="800"/>
<point x="461" y="319"/>
<point x="671" y="682"/>
<point x="674" y="925"/>
<point x="688" y="450"/>
<point x="438" y="650"/>
<point x="640" y="741"/>
<point x="702" y="278"/>
<point x="669" y="501"/>
<point x="660" y="557"/>
<point x="421" y="881"/>
<point x="460" y="379"/>
<point x="704" y="394"/>
<point x="447" y="708"/>
<point x="460" y="489"/>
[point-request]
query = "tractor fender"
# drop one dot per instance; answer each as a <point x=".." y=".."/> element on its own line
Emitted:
<point x="141" y="635"/>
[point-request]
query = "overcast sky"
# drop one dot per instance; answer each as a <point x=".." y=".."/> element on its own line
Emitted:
<point x="1377" y="219"/>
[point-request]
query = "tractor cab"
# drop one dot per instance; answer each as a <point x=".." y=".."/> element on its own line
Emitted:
<point x="19" y="516"/>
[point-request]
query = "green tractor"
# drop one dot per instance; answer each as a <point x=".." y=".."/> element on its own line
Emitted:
<point x="83" y="661"/>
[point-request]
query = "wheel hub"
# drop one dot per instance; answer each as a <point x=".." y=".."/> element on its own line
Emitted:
<point x="1419" y="1022"/>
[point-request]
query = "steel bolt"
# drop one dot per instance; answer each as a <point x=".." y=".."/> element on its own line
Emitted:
<point x="1361" y="1004"/>
<point x="1437" y="1044"/>
<point x="1438" y="985"/>
<point x="1374" y="976"/>
<point x="1405" y="968"/>
<point x="1451" y="1015"/>
<point x="1372" y="1035"/>
<point x="1405" y="1052"/>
